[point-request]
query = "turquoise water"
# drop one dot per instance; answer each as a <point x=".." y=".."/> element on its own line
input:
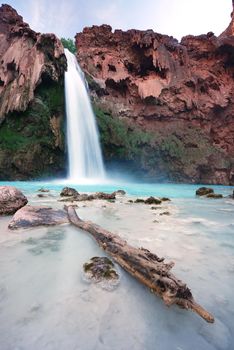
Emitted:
<point x="45" y="303"/>
<point x="135" y="189"/>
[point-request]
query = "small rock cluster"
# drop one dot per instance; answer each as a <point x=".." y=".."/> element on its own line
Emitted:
<point x="152" y="200"/>
<point x="208" y="193"/>
<point x="73" y="195"/>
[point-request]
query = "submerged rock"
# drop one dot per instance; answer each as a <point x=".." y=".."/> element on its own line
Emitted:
<point x="69" y="192"/>
<point x="165" y="199"/>
<point x="11" y="199"/>
<point x="203" y="191"/>
<point x="30" y="216"/>
<point x="100" y="269"/>
<point x="150" y="200"/>
<point x="153" y="200"/>
<point x="214" y="195"/>
<point x="44" y="190"/>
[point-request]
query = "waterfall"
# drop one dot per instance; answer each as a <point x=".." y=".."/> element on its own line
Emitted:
<point x="84" y="151"/>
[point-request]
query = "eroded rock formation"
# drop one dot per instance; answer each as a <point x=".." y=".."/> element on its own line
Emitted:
<point x="31" y="216"/>
<point x="165" y="107"/>
<point x="11" y="199"/>
<point x="31" y="99"/>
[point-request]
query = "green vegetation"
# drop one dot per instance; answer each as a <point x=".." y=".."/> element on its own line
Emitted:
<point x="69" y="44"/>
<point x="33" y="140"/>
<point x="175" y="152"/>
<point x="118" y="139"/>
<point x="33" y="125"/>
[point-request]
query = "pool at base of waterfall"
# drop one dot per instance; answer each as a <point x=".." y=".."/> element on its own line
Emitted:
<point x="46" y="302"/>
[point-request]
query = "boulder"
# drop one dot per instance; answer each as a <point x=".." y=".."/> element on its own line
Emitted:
<point x="30" y="216"/>
<point x="203" y="191"/>
<point x="11" y="199"/>
<point x="69" y="192"/>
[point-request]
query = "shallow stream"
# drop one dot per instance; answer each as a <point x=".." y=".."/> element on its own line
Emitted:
<point x="45" y="302"/>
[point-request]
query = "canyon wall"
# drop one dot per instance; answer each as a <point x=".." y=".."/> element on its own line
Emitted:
<point x="165" y="109"/>
<point x="32" y="69"/>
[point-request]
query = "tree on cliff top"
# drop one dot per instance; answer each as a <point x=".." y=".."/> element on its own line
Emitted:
<point x="69" y="44"/>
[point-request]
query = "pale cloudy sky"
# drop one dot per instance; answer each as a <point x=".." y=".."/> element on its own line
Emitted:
<point x="173" y="17"/>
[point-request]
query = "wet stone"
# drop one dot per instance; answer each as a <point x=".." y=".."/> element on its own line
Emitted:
<point x="150" y="200"/>
<point x="101" y="269"/>
<point x="214" y="195"/>
<point x="45" y="190"/>
<point x="203" y="191"/>
<point x="165" y="199"/>
<point x="69" y="192"/>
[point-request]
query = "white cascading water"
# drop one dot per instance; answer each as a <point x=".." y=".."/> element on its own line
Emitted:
<point x="84" y="151"/>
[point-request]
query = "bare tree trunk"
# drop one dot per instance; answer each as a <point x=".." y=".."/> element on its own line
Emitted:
<point x="145" y="266"/>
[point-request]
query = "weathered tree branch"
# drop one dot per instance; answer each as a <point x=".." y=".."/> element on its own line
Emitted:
<point x="145" y="266"/>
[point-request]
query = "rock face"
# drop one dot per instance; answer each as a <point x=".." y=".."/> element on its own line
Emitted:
<point x="164" y="107"/>
<point x="31" y="216"/>
<point x="31" y="100"/>
<point x="11" y="199"/>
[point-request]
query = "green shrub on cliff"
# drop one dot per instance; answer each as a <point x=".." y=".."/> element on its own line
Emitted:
<point x="69" y="44"/>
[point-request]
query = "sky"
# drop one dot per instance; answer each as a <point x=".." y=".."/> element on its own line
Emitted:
<point x="178" y="18"/>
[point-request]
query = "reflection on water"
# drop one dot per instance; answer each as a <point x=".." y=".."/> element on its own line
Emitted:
<point x="46" y="304"/>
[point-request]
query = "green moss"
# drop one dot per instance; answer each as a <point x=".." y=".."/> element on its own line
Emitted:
<point x="10" y="139"/>
<point x="172" y="152"/>
<point x="27" y="137"/>
<point x="120" y="140"/>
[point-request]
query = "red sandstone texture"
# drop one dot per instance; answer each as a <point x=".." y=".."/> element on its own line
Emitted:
<point x="26" y="57"/>
<point x="31" y="100"/>
<point x="152" y="82"/>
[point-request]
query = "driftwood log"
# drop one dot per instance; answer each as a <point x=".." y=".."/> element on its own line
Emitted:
<point x="145" y="266"/>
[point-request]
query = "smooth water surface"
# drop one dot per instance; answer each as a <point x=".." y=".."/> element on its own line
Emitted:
<point x="45" y="303"/>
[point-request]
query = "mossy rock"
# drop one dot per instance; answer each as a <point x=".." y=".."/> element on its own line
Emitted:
<point x="204" y="191"/>
<point x="100" y="269"/>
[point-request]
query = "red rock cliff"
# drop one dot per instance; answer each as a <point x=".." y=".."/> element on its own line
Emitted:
<point x="183" y="93"/>
<point x="31" y="100"/>
<point x="26" y="57"/>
